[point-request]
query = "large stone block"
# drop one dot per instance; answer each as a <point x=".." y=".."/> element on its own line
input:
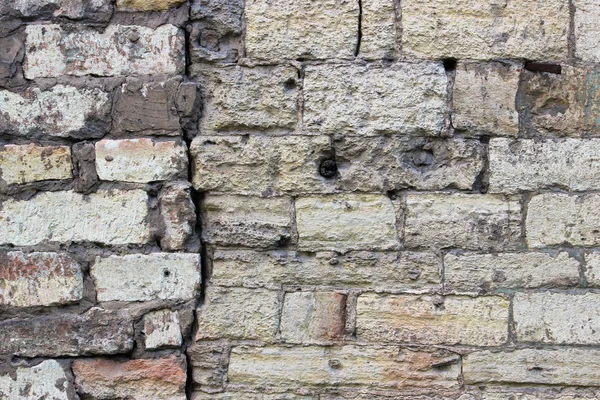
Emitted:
<point x="30" y="163"/>
<point x="558" y="318"/>
<point x="242" y="99"/>
<point x="335" y="367"/>
<point x="46" y="380"/>
<point x="97" y="331"/>
<point x="139" y="277"/>
<point x="357" y="269"/>
<point x="39" y="279"/>
<point x="403" y="98"/>
<point x="586" y="32"/>
<point x="61" y="111"/>
<point x="237" y="313"/>
<point x="467" y="29"/>
<point x="465" y="221"/>
<point x="110" y="217"/>
<point x="476" y="272"/>
<point x="528" y="165"/>
<point x="120" y="50"/>
<point x="313" y="316"/>
<point x="570" y="367"/>
<point x="559" y="219"/>
<point x="484" y="99"/>
<point x="160" y="378"/>
<point x="260" y="164"/>
<point x="346" y="222"/>
<point x="246" y="221"/>
<point x="287" y="29"/>
<point x="452" y="320"/>
<point x="140" y="160"/>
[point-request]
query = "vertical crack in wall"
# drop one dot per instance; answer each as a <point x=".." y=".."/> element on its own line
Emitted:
<point x="359" y="32"/>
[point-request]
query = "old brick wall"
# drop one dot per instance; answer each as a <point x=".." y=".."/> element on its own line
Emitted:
<point x="299" y="199"/>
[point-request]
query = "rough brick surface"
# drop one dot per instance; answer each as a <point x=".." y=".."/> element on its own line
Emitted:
<point x="586" y="30"/>
<point x="161" y="329"/>
<point x="46" y="380"/>
<point x="147" y="5"/>
<point x="30" y="163"/>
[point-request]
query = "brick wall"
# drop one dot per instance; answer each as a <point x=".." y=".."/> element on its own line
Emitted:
<point x="294" y="199"/>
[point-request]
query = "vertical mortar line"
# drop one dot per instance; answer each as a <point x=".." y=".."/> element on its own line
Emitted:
<point x="398" y="25"/>
<point x="295" y="237"/>
<point x="300" y="113"/>
<point x="243" y="38"/>
<point x="581" y="257"/>
<point x="512" y="332"/>
<point x="571" y="37"/>
<point x="524" y="201"/>
<point x="359" y="32"/>
<point x="450" y="69"/>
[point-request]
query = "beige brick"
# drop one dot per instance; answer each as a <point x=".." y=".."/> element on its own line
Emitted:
<point x="335" y="367"/>
<point x="119" y="50"/>
<point x="237" y="313"/>
<point x="558" y="219"/>
<point x="147" y="5"/>
<point x="61" y="111"/>
<point x="484" y="99"/>
<point x="481" y="321"/>
<point x="592" y="268"/>
<point x="139" y="277"/>
<point x="46" y="380"/>
<point x="30" y="163"/>
<point x="260" y="164"/>
<point x="558" y="318"/>
<point x="475" y="272"/>
<point x="178" y="214"/>
<point x="529" y="165"/>
<point x="313" y="316"/>
<point x="160" y="378"/>
<point x="346" y="222"/>
<point x="108" y="216"/>
<point x="140" y="160"/>
<point x="485" y="30"/>
<point x="403" y="98"/>
<point x="357" y="269"/>
<point x="241" y="98"/>
<point x="39" y="279"/>
<point x="378" y="30"/>
<point x="586" y="17"/>
<point x="564" y="104"/>
<point x="246" y="221"/>
<point x="572" y="367"/>
<point x="466" y="221"/>
<point x="536" y="393"/>
<point x="161" y="329"/>
<point x="290" y="30"/>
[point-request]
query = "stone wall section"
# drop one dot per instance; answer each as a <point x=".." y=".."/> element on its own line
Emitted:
<point x="293" y="200"/>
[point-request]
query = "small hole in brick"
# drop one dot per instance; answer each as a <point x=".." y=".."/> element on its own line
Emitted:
<point x="166" y="272"/>
<point x="392" y="195"/>
<point x="450" y="64"/>
<point x="290" y="84"/>
<point x="328" y="168"/>
<point x="543" y="67"/>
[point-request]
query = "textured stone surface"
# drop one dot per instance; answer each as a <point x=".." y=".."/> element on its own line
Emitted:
<point x="248" y="396"/>
<point x="99" y="10"/>
<point x="260" y="164"/>
<point x="138" y="277"/>
<point x="46" y="380"/>
<point x="119" y="50"/>
<point x="376" y="367"/>
<point x="246" y="221"/>
<point x="147" y="5"/>
<point x="237" y="313"/>
<point x="346" y="222"/>
<point x="592" y="268"/>
<point x="558" y="218"/>
<point x="209" y="362"/>
<point x="285" y="29"/>
<point x="486" y="30"/>
<point x="161" y="329"/>
<point x="482" y="321"/>
<point x="309" y="316"/>
<point x="484" y="99"/>
<point x="30" y="163"/>
<point x="564" y="104"/>
<point x="140" y="160"/>
<point x="474" y="272"/>
<point x="587" y="13"/>
<point x="61" y="111"/>
<point x="402" y="98"/>
<point x="161" y="378"/>
<point x="33" y="279"/>
<point x="357" y="269"/>
<point x="111" y="217"/>
<point x="551" y="366"/>
<point x="385" y="163"/>
<point x="528" y="165"/>
<point x="469" y="222"/>
<point x="96" y="331"/>
<point x="378" y="29"/>
<point x="179" y="215"/>
<point x="241" y="98"/>
<point x="559" y="318"/>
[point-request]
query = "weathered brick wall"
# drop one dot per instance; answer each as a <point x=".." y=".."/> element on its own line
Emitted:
<point x="293" y="199"/>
